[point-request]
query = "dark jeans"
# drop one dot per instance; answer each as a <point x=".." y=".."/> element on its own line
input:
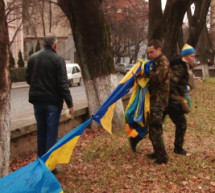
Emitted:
<point x="47" y="117"/>
<point x="177" y="116"/>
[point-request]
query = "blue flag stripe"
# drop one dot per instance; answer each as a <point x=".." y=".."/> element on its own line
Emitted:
<point x="75" y="132"/>
<point x="119" y="92"/>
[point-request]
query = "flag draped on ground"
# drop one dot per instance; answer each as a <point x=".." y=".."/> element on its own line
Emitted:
<point x="33" y="178"/>
<point x="37" y="176"/>
<point x="61" y="152"/>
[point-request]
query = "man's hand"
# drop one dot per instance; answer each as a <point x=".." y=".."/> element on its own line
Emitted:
<point x="71" y="110"/>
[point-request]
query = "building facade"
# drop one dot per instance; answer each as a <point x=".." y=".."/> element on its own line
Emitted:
<point x="28" y="22"/>
<point x="15" y="26"/>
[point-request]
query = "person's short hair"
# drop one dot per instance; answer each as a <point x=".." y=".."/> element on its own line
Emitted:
<point x="155" y="43"/>
<point x="50" y="39"/>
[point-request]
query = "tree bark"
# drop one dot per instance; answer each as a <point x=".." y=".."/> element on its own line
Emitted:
<point x="197" y="21"/>
<point x="42" y="13"/>
<point x="212" y="23"/>
<point x="50" y="16"/>
<point x="92" y="40"/>
<point x="204" y="46"/>
<point x="155" y="16"/>
<point x="5" y="85"/>
<point x="167" y="28"/>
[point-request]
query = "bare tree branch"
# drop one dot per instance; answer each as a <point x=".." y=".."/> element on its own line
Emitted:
<point x="16" y="32"/>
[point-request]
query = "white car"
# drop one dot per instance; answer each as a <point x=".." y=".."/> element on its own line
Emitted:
<point x="120" y="67"/>
<point x="74" y="74"/>
<point x="123" y="68"/>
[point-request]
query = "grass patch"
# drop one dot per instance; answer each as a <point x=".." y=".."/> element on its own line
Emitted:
<point x="209" y="80"/>
<point x="105" y="164"/>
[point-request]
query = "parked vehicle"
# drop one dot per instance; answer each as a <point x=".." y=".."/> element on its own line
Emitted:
<point x="128" y="67"/>
<point x="120" y="67"/>
<point x="123" y="67"/>
<point x="74" y="74"/>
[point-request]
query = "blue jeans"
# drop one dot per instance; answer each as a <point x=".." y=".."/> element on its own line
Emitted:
<point x="47" y="117"/>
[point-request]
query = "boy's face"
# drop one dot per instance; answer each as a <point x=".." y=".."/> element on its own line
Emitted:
<point x="190" y="58"/>
<point x="153" y="53"/>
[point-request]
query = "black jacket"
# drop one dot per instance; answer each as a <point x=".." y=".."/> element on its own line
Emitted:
<point x="179" y="79"/>
<point x="47" y="77"/>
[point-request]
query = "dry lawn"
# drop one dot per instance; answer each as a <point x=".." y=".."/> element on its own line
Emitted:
<point x="105" y="164"/>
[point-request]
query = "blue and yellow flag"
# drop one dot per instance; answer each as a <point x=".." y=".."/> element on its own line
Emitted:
<point x="37" y="177"/>
<point x="61" y="152"/>
<point x="34" y="177"/>
<point x="105" y="113"/>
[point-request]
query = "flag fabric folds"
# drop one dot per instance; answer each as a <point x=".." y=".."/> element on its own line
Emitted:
<point x="61" y="152"/>
<point x="138" y="109"/>
<point x="33" y="178"/>
<point x="105" y="113"/>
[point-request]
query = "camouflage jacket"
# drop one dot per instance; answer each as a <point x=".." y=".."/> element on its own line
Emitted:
<point x="159" y="82"/>
<point x="179" y="79"/>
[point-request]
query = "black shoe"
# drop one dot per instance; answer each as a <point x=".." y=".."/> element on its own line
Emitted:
<point x="133" y="142"/>
<point x="180" y="151"/>
<point x="161" y="161"/>
<point x="151" y="156"/>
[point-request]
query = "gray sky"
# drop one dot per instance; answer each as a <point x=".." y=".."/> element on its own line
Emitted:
<point x="163" y="3"/>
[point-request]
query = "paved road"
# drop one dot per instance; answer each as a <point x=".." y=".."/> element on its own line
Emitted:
<point x="21" y="106"/>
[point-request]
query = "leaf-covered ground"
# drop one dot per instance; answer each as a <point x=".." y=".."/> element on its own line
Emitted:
<point x="105" y="164"/>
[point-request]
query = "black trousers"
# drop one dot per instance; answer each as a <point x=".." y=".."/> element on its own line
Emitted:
<point x="177" y="116"/>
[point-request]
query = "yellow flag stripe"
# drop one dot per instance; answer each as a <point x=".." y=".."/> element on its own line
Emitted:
<point x="62" y="154"/>
<point x="106" y="120"/>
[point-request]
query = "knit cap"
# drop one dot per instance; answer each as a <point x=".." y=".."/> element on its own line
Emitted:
<point x="187" y="50"/>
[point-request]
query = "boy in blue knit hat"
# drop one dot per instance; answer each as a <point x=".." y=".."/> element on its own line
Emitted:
<point x="181" y="77"/>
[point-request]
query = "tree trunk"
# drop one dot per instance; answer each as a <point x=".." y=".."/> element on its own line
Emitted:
<point x="212" y="23"/>
<point x="167" y="28"/>
<point x="155" y="16"/>
<point x="204" y="46"/>
<point x="92" y="40"/>
<point x="197" y="21"/>
<point x="42" y="12"/>
<point x="5" y="85"/>
<point x="103" y="86"/>
<point x="50" y="16"/>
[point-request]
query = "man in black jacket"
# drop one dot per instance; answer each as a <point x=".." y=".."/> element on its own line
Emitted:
<point x="49" y="87"/>
<point x="181" y="77"/>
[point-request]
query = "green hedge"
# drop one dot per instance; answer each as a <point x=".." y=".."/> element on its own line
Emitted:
<point x="18" y="74"/>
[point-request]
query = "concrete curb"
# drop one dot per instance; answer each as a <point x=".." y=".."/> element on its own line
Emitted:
<point x="16" y="85"/>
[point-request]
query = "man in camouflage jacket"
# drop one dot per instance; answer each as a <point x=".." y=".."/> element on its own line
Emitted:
<point x="159" y="94"/>
<point x="180" y="78"/>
